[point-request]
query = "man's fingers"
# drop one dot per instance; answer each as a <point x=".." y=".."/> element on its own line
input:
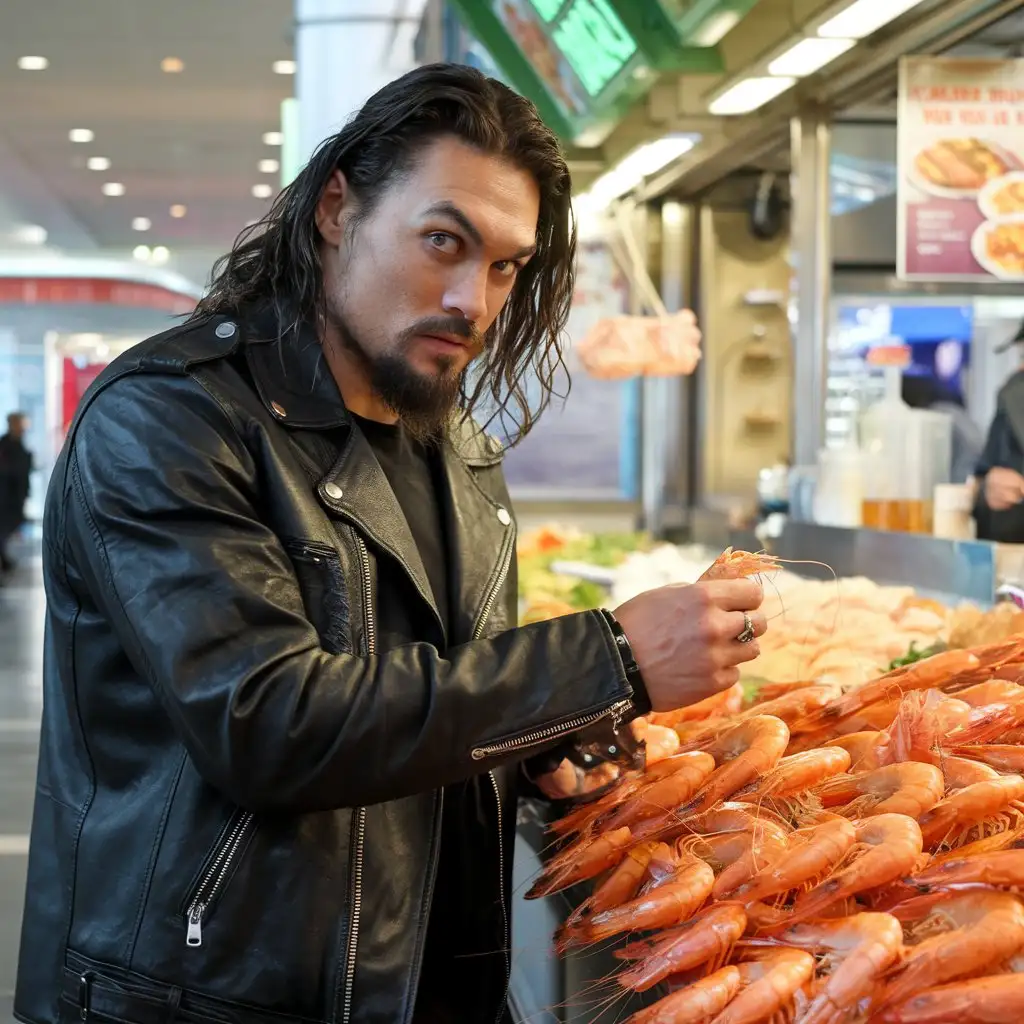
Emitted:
<point x="735" y="595"/>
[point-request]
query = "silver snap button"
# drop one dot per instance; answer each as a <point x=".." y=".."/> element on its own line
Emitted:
<point x="333" y="491"/>
<point x="225" y="330"/>
<point x="503" y="517"/>
<point x="278" y="409"/>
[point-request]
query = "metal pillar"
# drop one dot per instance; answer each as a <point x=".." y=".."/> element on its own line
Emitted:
<point x="812" y="260"/>
<point x="664" y="480"/>
<point x="345" y="51"/>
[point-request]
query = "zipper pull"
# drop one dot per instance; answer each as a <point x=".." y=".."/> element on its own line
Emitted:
<point x="194" y="937"/>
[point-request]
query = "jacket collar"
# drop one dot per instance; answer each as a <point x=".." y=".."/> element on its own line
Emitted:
<point x="295" y="385"/>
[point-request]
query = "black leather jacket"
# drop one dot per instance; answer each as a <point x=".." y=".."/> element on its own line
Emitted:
<point x="250" y="705"/>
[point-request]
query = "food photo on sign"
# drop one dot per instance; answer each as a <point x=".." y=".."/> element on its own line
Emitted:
<point x="961" y="169"/>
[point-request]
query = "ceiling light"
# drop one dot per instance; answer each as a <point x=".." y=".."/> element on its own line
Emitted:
<point x="33" y="63"/>
<point x="98" y="163"/>
<point x="81" y="135"/>
<point x="178" y="211"/>
<point x="641" y="162"/>
<point x="30" y="234"/>
<point x="269" y="166"/>
<point x="161" y="254"/>
<point x="172" y="65"/>
<point x="284" y="67"/>
<point x="749" y="94"/>
<point x="863" y="17"/>
<point x="262" y="191"/>
<point x="272" y="138"/>
<point x="808" y="56"/>
<point x="141" y="252"/>
<point x="113" y="188"/>
<point x="141" y="224"/>
<point x="714" y="30"/>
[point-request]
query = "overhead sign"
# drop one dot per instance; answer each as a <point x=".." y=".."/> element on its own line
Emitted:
<point x="961" y="170"/>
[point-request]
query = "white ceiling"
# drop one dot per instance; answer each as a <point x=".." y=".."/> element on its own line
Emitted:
<point x="193" y="138"/>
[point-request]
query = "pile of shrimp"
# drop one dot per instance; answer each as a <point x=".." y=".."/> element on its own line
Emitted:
<point x="817" y="857"/>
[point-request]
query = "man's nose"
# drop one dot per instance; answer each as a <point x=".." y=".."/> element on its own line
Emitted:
<point x="466" y="296"/>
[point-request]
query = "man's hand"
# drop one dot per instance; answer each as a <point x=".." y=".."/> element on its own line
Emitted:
<point x="684" y="638"/>
<point x="1004" y="488"/>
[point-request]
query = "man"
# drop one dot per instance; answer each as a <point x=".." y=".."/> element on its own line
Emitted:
<point x="286" y="698"/>
<point x="999" y="512"/>
<point x="15" y="471"/>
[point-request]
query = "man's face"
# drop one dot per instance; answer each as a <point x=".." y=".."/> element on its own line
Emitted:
<point x="17" y="425"/>
<point x="414" y="286"/>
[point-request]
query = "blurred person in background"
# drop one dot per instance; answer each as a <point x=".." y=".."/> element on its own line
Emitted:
<point x="921" y="392"/>
<point x="15" y="472"/>
<point x="287" y="704"/>
<point x="999" y="506"/>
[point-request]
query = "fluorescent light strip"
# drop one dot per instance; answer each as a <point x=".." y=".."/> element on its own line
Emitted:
<point x="637" y="165"/>
<point x="808" y="56"/>
<point x="749" y="94"/>
<point x="863" y="17"/>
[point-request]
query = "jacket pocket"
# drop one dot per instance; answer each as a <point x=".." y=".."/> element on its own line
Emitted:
<point x="324" y="595"/>
<point x="216" y="873"/>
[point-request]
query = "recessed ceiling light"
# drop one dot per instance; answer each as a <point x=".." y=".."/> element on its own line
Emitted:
<point x="141" y="252"/>
<point x="113" y="188"/>
<point x="284" y="67"/>
<point x="30" y="234"/>
<point x="262" y="191"/>
<point x="33" y="63"/>
<point x="141" y="224"/>
<point x="272" y="138"/>
<point x="161" y="254"/>
<point x="81" y="135"/>
<point x="98" y="163"/>
<point x="172" y="65"/>
<point x="178" y="211"/>
<point x="269" y="166"/>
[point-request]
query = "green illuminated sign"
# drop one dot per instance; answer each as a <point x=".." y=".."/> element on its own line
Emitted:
<point x="594" y="42"/>
<point x="547" y="9"/>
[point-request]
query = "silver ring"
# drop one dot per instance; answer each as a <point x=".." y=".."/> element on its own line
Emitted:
<point x="748" y="633"/>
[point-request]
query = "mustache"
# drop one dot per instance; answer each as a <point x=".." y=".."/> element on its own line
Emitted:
<point x="457" y="325"/>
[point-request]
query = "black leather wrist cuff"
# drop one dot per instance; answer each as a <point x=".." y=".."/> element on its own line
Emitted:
<point x="634" y="677"/>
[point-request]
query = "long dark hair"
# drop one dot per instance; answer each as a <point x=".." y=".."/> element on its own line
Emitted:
<point x="277" y="260"/>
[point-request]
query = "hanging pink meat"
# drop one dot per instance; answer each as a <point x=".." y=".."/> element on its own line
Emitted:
<point x="641" y="346"/>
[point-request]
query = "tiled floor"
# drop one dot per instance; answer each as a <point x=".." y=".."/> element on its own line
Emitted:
<point x="21" y="647"/>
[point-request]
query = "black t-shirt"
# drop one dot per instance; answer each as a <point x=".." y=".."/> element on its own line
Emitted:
<point x="413" y="469"/>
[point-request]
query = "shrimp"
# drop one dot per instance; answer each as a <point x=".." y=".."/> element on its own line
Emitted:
<point x="725" y="702"/>
<point x="811" y="852"/>
<point x="862" y="947"/>
<point x="581" y="862"/>
<point x="734" y="565"/>
<point x="695" y="1003"/>
<point x="744" y="753"/>
<point x="736" y="857"/>
<point x="926" y="674"/>
<point x="959" y="772"/>
<point x="953" y="818"/>
<point x="770" y="983"/>
<point x="1004" y="757"/>
<point x="909" y="788"/>
<point x="798" y="772"/>
<point x="671" y="903"/>
<point x="995" y="691"/>
<point x="708" y="938"/>
<point x="1000" y="869"/>
<point x="979" y="1001"/>
<point x="794" y="707"/>
<point x="887" y="847"/>
<point x="866" y="749"/>
<point x="976" y="931"/>
<point x="666" y="793"/>
<point x="660" y="743"/>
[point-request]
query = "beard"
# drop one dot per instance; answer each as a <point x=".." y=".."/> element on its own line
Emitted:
<point x="424" y="403"/>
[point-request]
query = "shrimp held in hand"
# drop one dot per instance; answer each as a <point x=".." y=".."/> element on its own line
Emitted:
<point x="771" y="981"/>
<point x="707" y="939"/>
<point x="694" y="1004"/>
<point x="909" y="788"/>
<point x="734" y="565"/>
<point x="993" y="1000"/>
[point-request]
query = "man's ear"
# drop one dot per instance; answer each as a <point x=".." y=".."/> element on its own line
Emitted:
<point x="334" y="208"/>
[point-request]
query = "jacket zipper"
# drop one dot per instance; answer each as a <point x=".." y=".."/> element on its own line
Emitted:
<point x="497" y="580"/>
<point x="507" y="934"/>
<point x="212" y="881"/>
<point x="359" y="818"/>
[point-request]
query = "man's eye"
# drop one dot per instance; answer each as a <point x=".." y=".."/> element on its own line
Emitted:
<point x="444" y="242"/>
<point x="508" y="268"/>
